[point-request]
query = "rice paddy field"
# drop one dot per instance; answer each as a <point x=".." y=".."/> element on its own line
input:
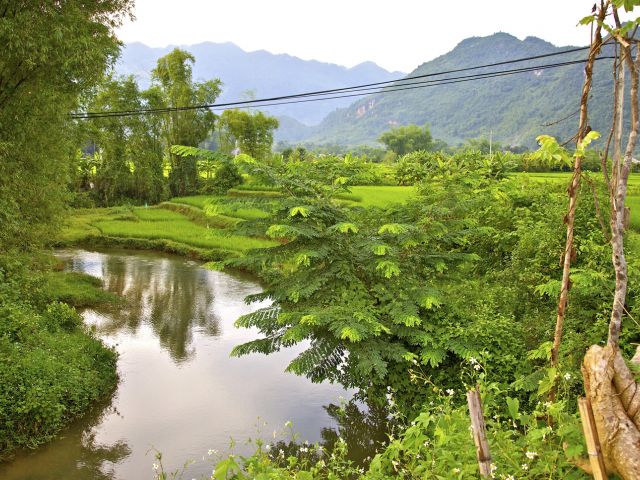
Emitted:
<point x="207" y="222"/>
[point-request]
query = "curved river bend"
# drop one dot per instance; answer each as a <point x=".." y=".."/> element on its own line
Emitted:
<point x="179" y="390"/>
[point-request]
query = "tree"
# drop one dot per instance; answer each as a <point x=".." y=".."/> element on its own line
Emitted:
<point x="128" y="155"/>
<point x="55" y="52"/>
<point x="251" y="132"/>
<point x="612" y="392"/>
<point x="403" y="140"/>
<point x="173" y="87"/>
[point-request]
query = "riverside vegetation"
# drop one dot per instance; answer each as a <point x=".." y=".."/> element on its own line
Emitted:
<point x="454" y="278"/>
<point x="410" y="281"/>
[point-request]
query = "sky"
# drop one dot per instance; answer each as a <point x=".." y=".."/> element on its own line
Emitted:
<point x="395" y="34"/>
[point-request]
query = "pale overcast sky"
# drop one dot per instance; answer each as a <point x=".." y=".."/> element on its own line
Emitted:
<point x="396" y="34"/>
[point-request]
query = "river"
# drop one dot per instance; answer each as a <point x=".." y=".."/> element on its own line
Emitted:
<point x="180" y="392"/>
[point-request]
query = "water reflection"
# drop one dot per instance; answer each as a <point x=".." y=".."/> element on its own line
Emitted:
<point x="179" y="390"/>
<point x="172" y="307"/>
<point x="363" y="427"/>
<point x="77" y="453"/>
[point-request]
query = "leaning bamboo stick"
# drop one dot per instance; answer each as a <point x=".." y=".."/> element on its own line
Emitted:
<point x="479" y="432"/>
<point x="593" y="444"/>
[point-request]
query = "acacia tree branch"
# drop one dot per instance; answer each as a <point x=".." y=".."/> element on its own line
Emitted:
<point x="572" y="190"/>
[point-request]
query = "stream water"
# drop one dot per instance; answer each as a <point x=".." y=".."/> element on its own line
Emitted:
<point x="179" y="392"/>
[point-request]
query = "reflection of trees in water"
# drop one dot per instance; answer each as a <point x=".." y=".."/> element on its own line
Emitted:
<point x="93" y="459"/>
<point x="75" y="455"/>
<point x="364" y="428"/>
<point x="171" y="296"/>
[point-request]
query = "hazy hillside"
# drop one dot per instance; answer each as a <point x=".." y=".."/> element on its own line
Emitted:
<point x="264" y="73"/>
<point x="514" y="107"/>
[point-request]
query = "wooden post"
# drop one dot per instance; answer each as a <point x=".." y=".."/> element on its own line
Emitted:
<point x="479" y="432"/>
<point x="593" y="443"/>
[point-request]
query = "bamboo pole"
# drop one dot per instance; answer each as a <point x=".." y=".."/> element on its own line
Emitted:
<point x="479" y="432"/>
<point x="593" y="443"/>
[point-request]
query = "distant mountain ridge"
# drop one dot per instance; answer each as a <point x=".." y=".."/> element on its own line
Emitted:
<point x="262" y="73"/>
<point x="514" y="109"/>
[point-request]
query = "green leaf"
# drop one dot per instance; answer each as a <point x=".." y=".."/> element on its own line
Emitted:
<point x="346" y="227"/>
<point x="431" y="301"/>
<point x="513" y="405"/>
<point x="303" y="211"/>
<point x="350" y="334"/>
<point x="393" y="228"/>
<point x="308" y="320"/>
<point x="548" y="381"/>
<point x="380" y="249"/>
<point x="411" y="321"/>
<point x="388" y="268"/>
<point x="277" y="231"/>
<point x="587" y="20"/>
<point x="340" y="181"/>
<point x="543" y="352"/>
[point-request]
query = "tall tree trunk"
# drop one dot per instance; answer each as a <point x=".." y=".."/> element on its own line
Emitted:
<point x="583" y="129"/>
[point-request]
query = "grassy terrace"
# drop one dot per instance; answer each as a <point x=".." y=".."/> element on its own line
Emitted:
<point x="155" y="224"/>
<point x="205" y="223"/>
<point x="201" y="222"/>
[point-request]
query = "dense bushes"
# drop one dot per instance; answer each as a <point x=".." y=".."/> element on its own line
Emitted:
<point x="51" y="368"/>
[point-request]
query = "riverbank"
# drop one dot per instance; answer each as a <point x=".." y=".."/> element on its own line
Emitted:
<point x="179" y="390"/>
<point x="52" y="368"/>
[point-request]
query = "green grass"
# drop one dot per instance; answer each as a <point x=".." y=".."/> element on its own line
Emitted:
<point x="224" y="207"/>
<point x="382" y="196"/>
<point x="77" y="289"/>
<point x="154" y="224"/>
<point x="181" y="231"/>
<point x="156" y="215"/>
<point x="196" y="201"/>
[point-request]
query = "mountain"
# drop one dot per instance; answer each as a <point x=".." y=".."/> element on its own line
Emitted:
<point x="260" y="74"/>
<point x="514" y="108"/>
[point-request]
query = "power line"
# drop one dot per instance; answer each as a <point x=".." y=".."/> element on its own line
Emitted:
<point x="348" y="91"/>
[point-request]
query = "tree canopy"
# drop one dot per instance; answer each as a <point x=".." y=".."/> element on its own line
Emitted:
<point x="252" y="132"/>
<point x="407" y="139"/>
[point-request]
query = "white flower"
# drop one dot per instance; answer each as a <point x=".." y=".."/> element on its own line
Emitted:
<point x="212" y="452"/>
<point x="567" y="376"/>
<point x="477" y="366"/>
<point x="456" y="470"/>
<point x="281" y="452"/>
<point x="267" y="447"/>
<point x="509" y="477"/>
<point x="531" y="455"/>
<point x="525" y="466"/>
<point x="156" y="467"/>
<point x="473" y="361"/>
<point x="450" y="391"/>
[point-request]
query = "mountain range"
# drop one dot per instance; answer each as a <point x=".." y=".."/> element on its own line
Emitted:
<point x="258" y="74"/>
<point x="513" y="109"/>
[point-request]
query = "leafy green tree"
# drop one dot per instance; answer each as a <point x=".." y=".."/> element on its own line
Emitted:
<point x="54" y="53"/>
<point x="403" y="140"/>
<point x="482" y="145"/>
<point x="251" y="132"/>
<point x="173" y="86"/>
<point x="128" y="151"/>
